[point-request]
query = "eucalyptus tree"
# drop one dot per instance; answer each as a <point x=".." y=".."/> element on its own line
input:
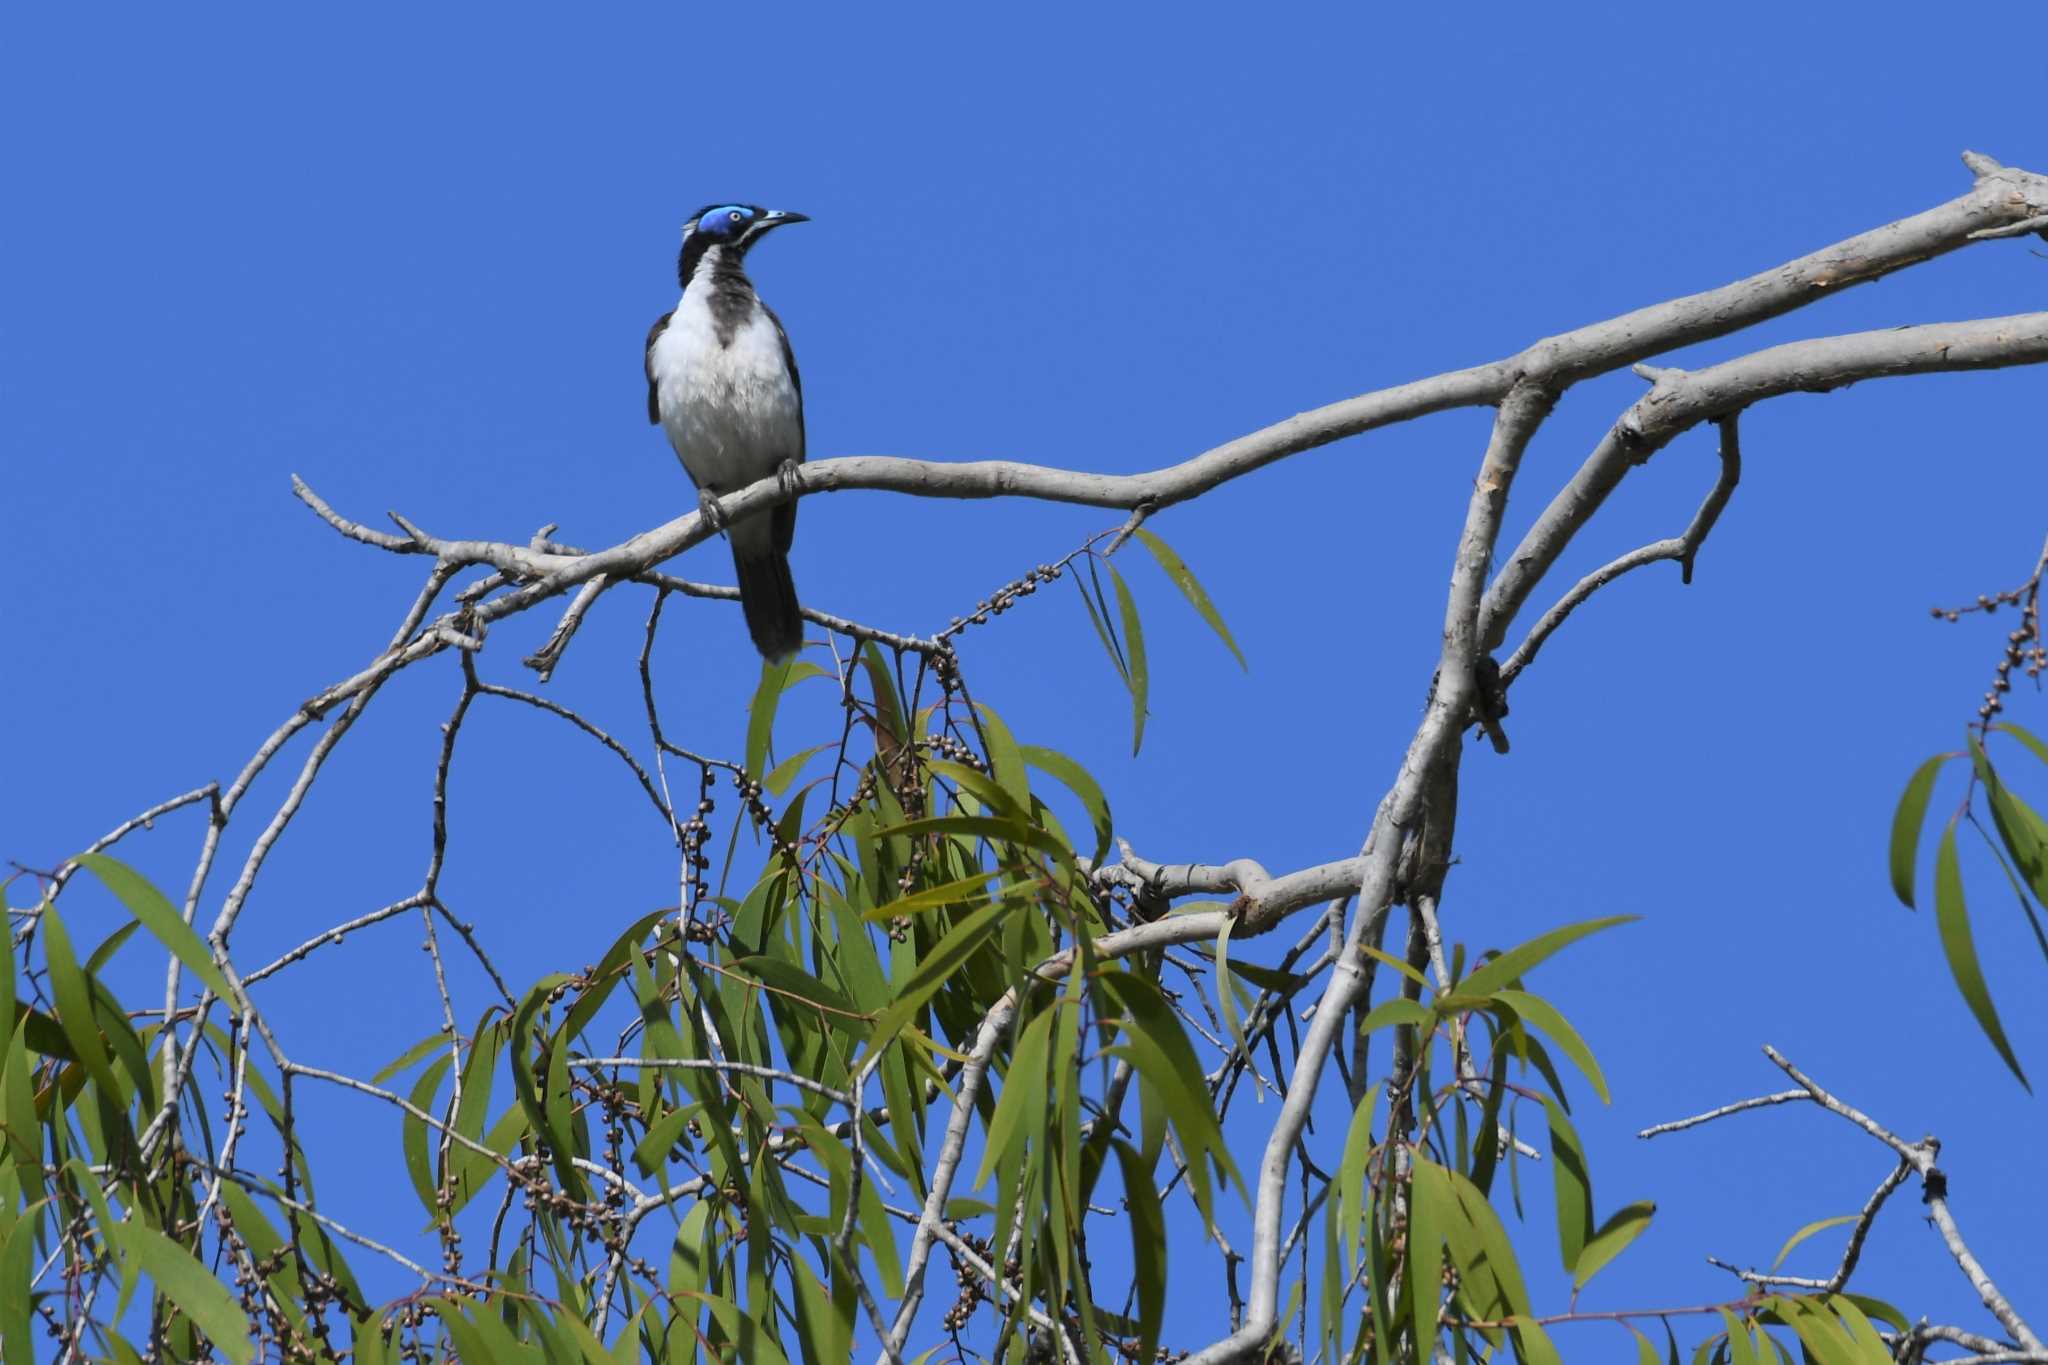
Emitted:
<point x="910" y="956"/>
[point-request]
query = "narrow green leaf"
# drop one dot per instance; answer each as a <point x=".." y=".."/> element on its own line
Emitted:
<point x="1572" y="1184"/>
<point x="1134" y="643"/>
<point x="1388" y="959"/>
<point x="984" y="827"/>
<point x="1906" y="823"/>
<point x="1076" y="780"/>
<point x="1879" y="1309"/>
<point x="1539" y="1012"/>
<point x="888" y="706"/>
<point x="1817" y="1331"/>
<point x="188" y="1284"/>
<point x="775" y="680"/>
<point x="1621" y="1228"/>
<point x="1740" y="1350"/>
<point x="960" y="943"/>
<point x="2025" y="737"/>
<point x="1005" y="759"/>
<point x="797" y="987"/>
<point x="1427" y="1213"/>
<point x="1510" y="965"/>
<point x="17" y="1263"/>
<point x="968" y="890"/>
<point x="1022" y="1098"/>
<point x="1398" y="1010"/>
<point x="823" y="1327"/>
<point x="1537" y="1348"/>
<point x="148" y="905"/>
<point x="1226" y="988"/>
<point x="784" y="773"/>
<point x="1646" y="1354"/>
<point x="1148" y="1244"/>
<point x="109" y="946"/>
<point x="1869" y="1345"/>
<point x="1351" y="1204"/>
<point x="1953" y="919"/>
<point x="1184" y="578"/>
<point x="1811" y="1228"/>
<point x="414" y="1135"/>
<point x="74" y="1005"/>
<point x="1098" y="614"/>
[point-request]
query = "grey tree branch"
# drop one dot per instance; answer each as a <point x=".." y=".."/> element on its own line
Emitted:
<point x="1933" y="1191"/>
<point x="1679" y="547"/>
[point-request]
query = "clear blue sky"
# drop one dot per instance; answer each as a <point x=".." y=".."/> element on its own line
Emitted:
<point x="412" y="253"/>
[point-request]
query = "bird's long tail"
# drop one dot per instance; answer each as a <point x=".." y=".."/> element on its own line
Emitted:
<point x="768" y="599"/>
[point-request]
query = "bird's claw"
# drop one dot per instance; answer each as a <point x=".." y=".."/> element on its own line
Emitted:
<point x="787" y="479"/>
<point x="707" y="505"/>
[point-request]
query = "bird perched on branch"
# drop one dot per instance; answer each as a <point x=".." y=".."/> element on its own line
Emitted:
<point x="722" y="382"/>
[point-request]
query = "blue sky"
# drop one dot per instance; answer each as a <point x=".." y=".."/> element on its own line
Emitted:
<point x="412" y="254"/>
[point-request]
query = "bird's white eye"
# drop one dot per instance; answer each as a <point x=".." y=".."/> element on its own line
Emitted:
<point x="735" y="215"/>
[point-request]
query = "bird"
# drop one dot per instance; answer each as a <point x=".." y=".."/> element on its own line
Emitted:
<point x="722" y="383"/>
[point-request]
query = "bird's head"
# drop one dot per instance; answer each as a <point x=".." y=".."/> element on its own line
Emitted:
<point x="729" y="230"/>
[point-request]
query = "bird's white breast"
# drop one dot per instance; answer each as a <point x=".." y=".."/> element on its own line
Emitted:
<point x="732" y="412"/>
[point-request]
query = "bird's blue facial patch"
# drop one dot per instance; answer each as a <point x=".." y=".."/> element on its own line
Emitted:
<point x="725" y="220"/>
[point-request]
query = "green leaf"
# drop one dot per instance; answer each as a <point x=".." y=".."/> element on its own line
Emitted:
<point x="1005" y="759"/>
<point x="1510" y="965"/>
<point x="1537" y="1348"/>
<point x="775" y="680"/>
<point x="1953" y="919"/>
<point x="1539" y="1012"/>
<point x="778" y="781"/>
<point x="821" y="1324"/>
<point x="1573" y="1187"/>
<point x="1351" y="1204"/>
<point x="1906" y="823"/>
<point x="1134" y="644"/>
<point x="1184" y="578"/>
<point x="960" y="943"/>
<point x="1428" y="1209"/>
<point x="1076" y="780"/>
<point x="414" y="1135"/>
<point x="1022" y="1098"/>
<point x="983" y="827"/>
<point x="2025" y="737"/>
<point x="425" y="1047"/>
<point x="969" y="890"/>
<point x="1811" y="1228"/>
<point x="1870" y="1346"/>
<point x="1879" y="1309"/>
<point x="1148" y="1244"/>
<point x="74" y="1005"/>
<point x="1622" y="1227"/>
<point x="1226" y="988"/>
<point x="1817" y="1331"/>
<point x="797" y="985"/>
<point x="1388" y="959"/>
<point x="188" y="1284"/>
<point x="1098" y="614"/>
<point x="17" y="1263"/>
<point x="1646" y="1354"/>
<point x="147" y="904"/>
<point x="1398" y="1010"/>
<point x="1740" y="1349"/>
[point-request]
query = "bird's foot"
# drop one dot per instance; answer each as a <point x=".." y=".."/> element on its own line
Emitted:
<point x="707" y="505"/>
<point x="787" y="479"/>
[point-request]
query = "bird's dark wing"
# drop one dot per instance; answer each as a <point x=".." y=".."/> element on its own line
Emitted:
<point x="784" y="517"/>
<point x="647" y="364"/>
<point x="789" y="359"/>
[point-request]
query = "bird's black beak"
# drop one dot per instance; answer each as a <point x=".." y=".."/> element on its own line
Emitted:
<point x="777" y="217"/>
